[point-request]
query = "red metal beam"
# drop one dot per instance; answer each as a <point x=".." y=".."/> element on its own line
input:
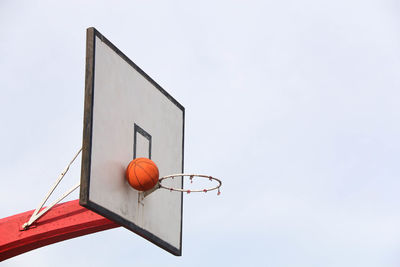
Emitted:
<point x="63" y="221"/>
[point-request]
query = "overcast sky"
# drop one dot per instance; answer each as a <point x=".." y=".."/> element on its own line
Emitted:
<point x="293" y="104"/>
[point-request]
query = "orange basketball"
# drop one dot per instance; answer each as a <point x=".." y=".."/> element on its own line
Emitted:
<point x="142" y="174"/>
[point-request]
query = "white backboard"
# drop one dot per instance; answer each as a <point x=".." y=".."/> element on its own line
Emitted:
<point x="128" y="115"/>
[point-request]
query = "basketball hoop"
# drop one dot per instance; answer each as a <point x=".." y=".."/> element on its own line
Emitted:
<point x="191" y="176"/>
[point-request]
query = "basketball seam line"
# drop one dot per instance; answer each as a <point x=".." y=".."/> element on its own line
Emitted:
<point x="134" y="170"/>
<point x="146" y="171"/>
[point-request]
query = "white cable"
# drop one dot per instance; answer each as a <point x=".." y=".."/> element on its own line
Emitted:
<point x="36" y="214"/>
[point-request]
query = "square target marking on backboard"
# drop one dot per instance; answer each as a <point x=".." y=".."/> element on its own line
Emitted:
<point x="127" y="115"/>
<point x="141" y="143"/>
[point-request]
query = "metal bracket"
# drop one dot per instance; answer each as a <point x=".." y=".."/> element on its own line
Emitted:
<point x="39" y="212"/>
<point x="144" y="194"/>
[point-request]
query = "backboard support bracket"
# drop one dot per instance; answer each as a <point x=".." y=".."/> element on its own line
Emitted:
<point x="38" y="211"/>
<point x="144" y="194"/>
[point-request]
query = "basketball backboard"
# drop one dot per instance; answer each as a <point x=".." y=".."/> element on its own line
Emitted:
<point x="128" y="115"/>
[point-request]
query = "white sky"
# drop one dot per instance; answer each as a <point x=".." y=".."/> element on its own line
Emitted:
<point x="294" y="104"/>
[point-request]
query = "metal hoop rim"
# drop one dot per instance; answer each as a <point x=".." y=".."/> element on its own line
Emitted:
<point x="190" y="175"/>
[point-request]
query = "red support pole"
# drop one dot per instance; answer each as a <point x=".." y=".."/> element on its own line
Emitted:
<point x="63" y="221"/>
